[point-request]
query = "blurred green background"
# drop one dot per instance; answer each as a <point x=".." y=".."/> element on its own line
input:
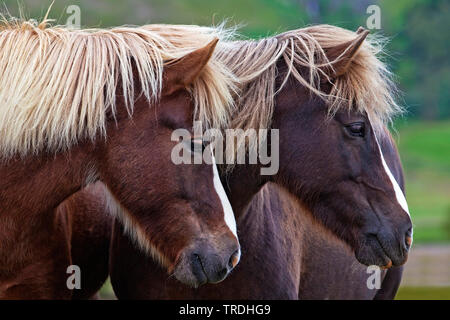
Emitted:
<point x="418" y="55"/>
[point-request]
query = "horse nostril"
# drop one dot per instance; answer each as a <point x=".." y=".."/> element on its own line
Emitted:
<point x="234" y="259"/>
<point x="408" y="239"/>
<point x="409" y="232"/>
<point x="198" y="262"/>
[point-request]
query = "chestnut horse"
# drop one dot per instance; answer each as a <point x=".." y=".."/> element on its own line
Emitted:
<point x="80" y="106"/>
<point x="329" y="95"/>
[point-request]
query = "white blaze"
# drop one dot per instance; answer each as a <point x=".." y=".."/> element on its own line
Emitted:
<point x="226" y="205"/>
<point x="398" y="191"/>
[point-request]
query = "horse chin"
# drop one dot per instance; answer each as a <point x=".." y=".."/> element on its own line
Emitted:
<point x="190" y="272"/>
<point x="375" y="250"/>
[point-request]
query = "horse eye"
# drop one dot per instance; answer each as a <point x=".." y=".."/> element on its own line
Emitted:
<point x="356" y="129"/>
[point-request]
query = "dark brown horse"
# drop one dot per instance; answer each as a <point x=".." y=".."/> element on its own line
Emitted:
<point x="331" y="161"/>
<point x="298" y="258"/>
<point x="85" y="229"/>
<point x="101" y="105"/>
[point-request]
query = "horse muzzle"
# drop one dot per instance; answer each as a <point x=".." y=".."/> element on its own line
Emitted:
<point x="204" y="263"/>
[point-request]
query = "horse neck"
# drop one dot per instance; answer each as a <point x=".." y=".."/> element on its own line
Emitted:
<point x="241" y="184"/>
<point x="30" y="190"/>
<point x="38" y="184"/>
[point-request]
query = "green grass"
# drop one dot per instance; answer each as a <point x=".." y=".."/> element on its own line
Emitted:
<point x="107" y="292"/>
<point x="425" y="152"/>
<point x="423" y="293"/>
<point x="257" y="17"/>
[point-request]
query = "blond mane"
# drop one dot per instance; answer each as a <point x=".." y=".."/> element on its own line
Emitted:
<point x="57" y="84"/>
<point x="367" y="84"/>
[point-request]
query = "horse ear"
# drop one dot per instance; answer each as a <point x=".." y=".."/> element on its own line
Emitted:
<point x="360" y="30"/>
<point x="342" y="55"/>
<point x="182" y="72"/>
